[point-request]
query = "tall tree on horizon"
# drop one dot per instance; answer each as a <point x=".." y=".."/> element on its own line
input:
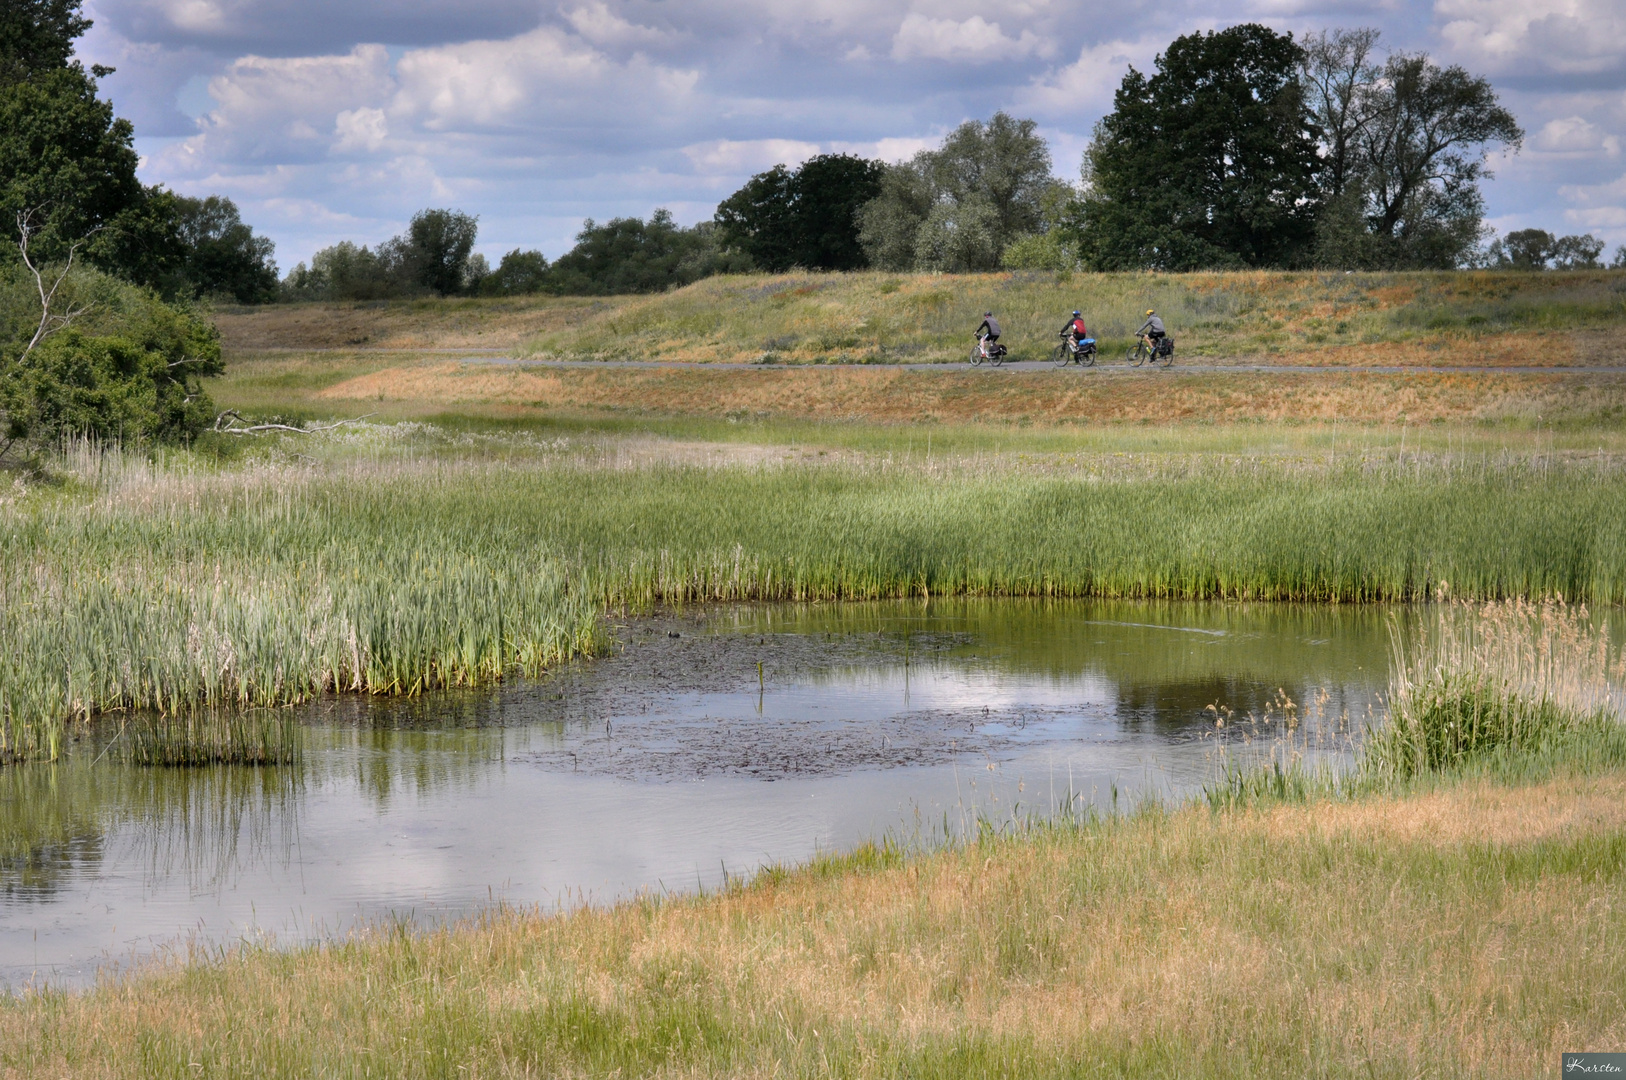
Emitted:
<point x="1210" y="162"/>
<point x="807" y="217"/>
<point x="1404" y="143"/>
<point x="958" y="207"/>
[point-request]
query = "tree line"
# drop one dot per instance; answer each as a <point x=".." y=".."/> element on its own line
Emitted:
<point x="1242" y="148"/>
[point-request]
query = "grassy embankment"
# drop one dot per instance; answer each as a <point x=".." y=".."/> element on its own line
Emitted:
<point x="1413" y="318"/>
<point x="1330" y="321"/>
<point x="394" y="559"/>
<point x="1467" y="919"/>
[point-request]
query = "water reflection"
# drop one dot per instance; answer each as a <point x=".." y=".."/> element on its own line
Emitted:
<point x="729" y="738"/>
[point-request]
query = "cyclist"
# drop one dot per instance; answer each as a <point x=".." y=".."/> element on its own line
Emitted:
<point x="991" y="326"/>
<point x="1154" y="330"/>
<point x="1075" y="330"/>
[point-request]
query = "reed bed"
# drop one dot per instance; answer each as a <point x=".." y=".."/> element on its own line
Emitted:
<point x="1508" y="676"/>
<point x="169" y="586"/>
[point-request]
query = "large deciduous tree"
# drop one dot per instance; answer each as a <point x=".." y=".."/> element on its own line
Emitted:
<point x="440" y="242"/>
<point x="1404" y="144"/>
<point x="1210" y="162"/>
<point x="807" y="217"/>
<point x="960" y="206"/>
<point x="67" y="159"/>
<point x="222" y="256"/>
<point x="37" y="36"/>
<point x="628" y="255"/>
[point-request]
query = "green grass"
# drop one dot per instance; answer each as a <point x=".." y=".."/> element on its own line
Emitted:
<point x="395" y="563"/>
<point x="888" y="318"/>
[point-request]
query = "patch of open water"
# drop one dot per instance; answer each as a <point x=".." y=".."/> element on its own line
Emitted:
<point x="670" y="764"/>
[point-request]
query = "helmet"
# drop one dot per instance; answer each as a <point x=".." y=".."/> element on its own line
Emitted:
<point x="1150" y="311"/>
<point x="1075" y="314"/>
<point x="987" y="314"/>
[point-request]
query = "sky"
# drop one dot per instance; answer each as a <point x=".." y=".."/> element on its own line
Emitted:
<point x="328" y="121"/>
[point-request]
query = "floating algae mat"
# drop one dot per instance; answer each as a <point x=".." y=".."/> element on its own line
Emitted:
<point x="709" y="743"/>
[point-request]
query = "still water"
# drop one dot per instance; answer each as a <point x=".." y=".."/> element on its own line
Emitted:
<point x="671" y="763"/>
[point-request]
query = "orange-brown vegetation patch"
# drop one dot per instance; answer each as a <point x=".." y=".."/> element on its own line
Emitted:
<point x="896" y="395"/>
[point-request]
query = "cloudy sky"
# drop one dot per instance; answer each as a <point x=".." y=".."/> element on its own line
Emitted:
<point x="336" y="120"/>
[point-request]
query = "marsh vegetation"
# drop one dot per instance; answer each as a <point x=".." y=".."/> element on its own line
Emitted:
<point x="403" y="560"/>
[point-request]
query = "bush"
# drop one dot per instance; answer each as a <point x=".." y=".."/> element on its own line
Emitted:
<point x="126" y="370"/>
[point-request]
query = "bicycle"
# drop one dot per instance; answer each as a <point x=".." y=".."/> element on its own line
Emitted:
<point x="1081" y="352"/>
<point x="994" y="354"/>
<point x="1143" y="350"/>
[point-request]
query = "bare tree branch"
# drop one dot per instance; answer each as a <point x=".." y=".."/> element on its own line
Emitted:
<point x="49" y="323"/>
<point x="227" y="423"/>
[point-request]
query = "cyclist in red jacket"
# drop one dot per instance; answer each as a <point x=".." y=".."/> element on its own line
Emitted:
<point x="1075" y="329"/>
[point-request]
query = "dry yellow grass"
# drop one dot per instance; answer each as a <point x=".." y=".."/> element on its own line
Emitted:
<point x="894" y="395"/>
<point x="403" y="324"/>
<point x="1473" y="931"/>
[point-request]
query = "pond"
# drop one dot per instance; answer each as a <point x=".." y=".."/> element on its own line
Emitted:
<point x="710" y="743"/>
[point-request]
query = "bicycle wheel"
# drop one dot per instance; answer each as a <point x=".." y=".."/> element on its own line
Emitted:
<point x="1165" y="359"/>
<point x="1087" y="357"/>
<point x="1062" y="356"/>
<point x="976" y="355"/>
<point x="999" y="359"/>
<point x="1137" y="355"/>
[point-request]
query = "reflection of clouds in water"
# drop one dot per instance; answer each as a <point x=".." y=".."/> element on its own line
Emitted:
<point x="939" y="684"/>
<point x="434" y="806"/>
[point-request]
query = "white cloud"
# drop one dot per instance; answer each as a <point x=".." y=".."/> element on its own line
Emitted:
<point x="894" y="149"/>
<point x="360" y="129"/>
<point x="1528" y="36"/>
<point x="974" y="41"/>
<point x="1088" y="83"/>
<point x="1575" y="135"/>
<point x="275" y="109"/>
<point x="731" y="158"/>
<point x="194" y="16"/>
<point x="601" y="26"/>
<point x="535" y="80"/>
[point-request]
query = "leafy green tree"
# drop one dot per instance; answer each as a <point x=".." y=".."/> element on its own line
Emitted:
<point x="760" y="220"/>
<point x="805" y="218"/>
<point x="958" y="207"/>
<point x="66" y="159"/>
<point x="439" y="243"/>
<point x="1210" y="162"/>
<point x="1534" y="249"/>
<point x="627" y="255"/>
<point x="221" y="256"/>
<point x="519" y="273"/>
<point x="889" y="224"/>
<point x="830" y="190"/>
<point x="37" y="36"/>
<point x="346" y="271"/>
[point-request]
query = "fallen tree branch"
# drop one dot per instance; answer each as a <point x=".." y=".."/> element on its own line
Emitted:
<point x="227" y="423"/>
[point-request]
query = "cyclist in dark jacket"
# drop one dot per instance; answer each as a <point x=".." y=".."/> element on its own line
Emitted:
<point x="1075" y="328"/>
<point x="991" y="325"/>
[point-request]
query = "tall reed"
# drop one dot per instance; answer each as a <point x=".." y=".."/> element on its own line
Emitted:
<point x="1507" y="675"/>
<point x="168" y="586"/>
